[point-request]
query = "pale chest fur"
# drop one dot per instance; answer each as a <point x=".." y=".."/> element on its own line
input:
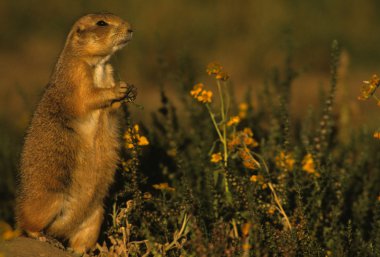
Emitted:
<point x="103" y="75"/>
<point x="90" y="125"/>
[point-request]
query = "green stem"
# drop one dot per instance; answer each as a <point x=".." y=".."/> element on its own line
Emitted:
<point x="224" y="127"/>
<point x="275" y="197"/>
<point x="221" y="100"/>
<point x="214" y="122"/>
<point x="177" y="235"/>
<point x="224" y="141"/>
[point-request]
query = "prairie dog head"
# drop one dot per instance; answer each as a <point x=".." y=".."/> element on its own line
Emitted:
<point x="98" y="35"/>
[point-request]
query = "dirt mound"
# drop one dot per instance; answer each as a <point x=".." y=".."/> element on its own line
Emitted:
<point x="27" y="247"/>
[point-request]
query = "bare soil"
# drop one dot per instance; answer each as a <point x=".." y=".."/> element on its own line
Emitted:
<point x="27" y="247"/>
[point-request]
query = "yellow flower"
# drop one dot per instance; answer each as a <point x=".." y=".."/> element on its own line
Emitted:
<point x="233" y="142"/>
<point x="249" y="141"/>
<point x="243" y="107"/>
<point x="285" y="161"/>
<point x="222" y="76"/>
<point x="369" y="87"/>
<point x="245" y="228"/>
<point x="6" y="231"/>
<point x="136" y="128"/>
<point x="214" y="68"/>
<point x="10" y="234"/>
<point x="256" y="178"/>
<point x="271" y="210"/>
<point x="246" y="247"/>
<point x="376" y="135"/>
<point x="142" y="140"/>
<point x="308" y="165"/>
<point x="233" y="120"/>
<point x="253" y="178"/>
<point x="200" y="94"/>
<point x="216" y="157"/>
<point x="242" y="115"/>
<point x="243" y="138"/>
<point x="128" y="140"/>
<point x="197" y="89"/>
<point x="205" y="96"/>
<point x="248" y="132"/>
<point x="163" y="186"/>
<point x="132" y="135"/>
<point x="244" y="154"/>
<point x="250" y="164"/>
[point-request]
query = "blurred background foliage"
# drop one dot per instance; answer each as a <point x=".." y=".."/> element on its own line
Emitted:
<point x="250" y="38"/>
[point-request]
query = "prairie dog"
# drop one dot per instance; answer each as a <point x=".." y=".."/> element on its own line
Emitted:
<point x="71" y="148"/>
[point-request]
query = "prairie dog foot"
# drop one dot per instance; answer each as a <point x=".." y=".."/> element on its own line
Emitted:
<point x="33" y="234"/>
<point x="84" y="238"/>
<point x="44" y="238"/>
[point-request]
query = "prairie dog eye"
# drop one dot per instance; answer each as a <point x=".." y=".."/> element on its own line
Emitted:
<point x="102" y="23"/>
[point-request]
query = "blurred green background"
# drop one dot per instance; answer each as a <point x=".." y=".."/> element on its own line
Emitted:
<point x="248" y="37"/>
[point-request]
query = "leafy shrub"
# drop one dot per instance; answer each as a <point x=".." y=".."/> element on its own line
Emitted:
<point x="221" y="178"/>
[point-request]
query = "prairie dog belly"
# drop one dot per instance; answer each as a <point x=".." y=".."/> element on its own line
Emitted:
<point x="98" y="155"/>
<point x="97" y="159"/>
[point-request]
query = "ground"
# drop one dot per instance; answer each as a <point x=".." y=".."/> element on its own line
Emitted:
<point x="27" y="247"/>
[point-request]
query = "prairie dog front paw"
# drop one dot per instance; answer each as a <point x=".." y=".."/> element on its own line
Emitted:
<point x="121" y="91"/>
<point x="131" y="93"/>
<point x="125" y="92"/>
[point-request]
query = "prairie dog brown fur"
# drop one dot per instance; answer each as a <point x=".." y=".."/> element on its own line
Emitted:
<point x="71" y="147"/>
